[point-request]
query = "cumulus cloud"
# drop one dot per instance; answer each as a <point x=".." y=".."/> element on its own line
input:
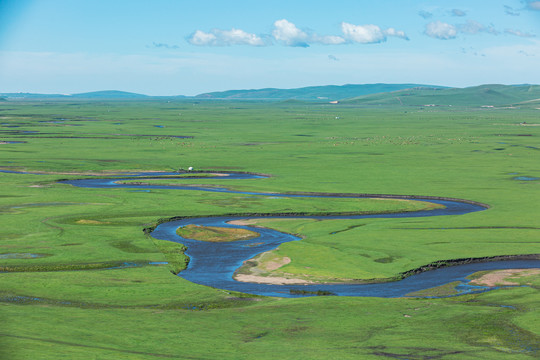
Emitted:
<point x="200" y="38"/>
<point x="219" y="37"/>
<point x="518" y="33"/>
<point x="369" y="34"/>
<point x="365" y="34"/>
<point x="458" y="12"/>
<point x="425" y="14"/>
<point x="240" y="37"/>
<point x="286" y="32"/>
<point x="440" y="30"/>
<point x="396" y="33"/>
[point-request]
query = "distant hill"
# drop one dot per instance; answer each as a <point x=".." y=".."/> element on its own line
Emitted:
<point x="94" y="95"/>
<point x="31" y="96"/>
<point x="484" y="95"/>
<point x="366" y="94"/>
<point x="109" y="94"/>
<point x="328" y="92"/>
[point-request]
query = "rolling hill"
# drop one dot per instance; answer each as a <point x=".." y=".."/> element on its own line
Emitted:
<point x="484" y="95"/>
<point x="328" y="92"/>
<point x="109" y="94"/>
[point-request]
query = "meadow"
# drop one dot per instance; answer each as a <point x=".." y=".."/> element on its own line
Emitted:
<point x="80" y="279"/>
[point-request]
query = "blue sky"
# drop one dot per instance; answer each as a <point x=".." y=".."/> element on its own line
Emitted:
<point x="172" y="47"/>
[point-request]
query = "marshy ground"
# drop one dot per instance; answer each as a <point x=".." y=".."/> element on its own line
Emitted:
<point x="79" y="302"/>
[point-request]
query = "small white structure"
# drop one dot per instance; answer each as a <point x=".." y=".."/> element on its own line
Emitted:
<point x="190" y="168"/>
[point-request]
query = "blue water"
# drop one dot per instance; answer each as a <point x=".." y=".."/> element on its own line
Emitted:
<point x="21" y="256"/>
<point x="213" y="264"/>
<point x="526" y="178"/>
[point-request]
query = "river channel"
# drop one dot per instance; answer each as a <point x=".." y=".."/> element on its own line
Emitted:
<point x="213" y="264"/>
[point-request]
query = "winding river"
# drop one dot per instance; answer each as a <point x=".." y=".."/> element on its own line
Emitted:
<point x="213" y="264"/>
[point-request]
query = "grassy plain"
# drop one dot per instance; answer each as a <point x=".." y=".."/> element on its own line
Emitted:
<point x="93" y="292"/>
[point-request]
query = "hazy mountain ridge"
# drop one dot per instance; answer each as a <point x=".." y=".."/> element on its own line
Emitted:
<point x="327" y="92"/>
<point x="366" y="94"/>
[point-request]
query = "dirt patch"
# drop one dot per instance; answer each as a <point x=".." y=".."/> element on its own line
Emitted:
<point x="276" y="264"/>
<point x="259" y="270"/>
<point x="501" y="277"/>
<point x="91" y="222"/>
<point x="270" y="280"/>
<point x="243" y="222"/>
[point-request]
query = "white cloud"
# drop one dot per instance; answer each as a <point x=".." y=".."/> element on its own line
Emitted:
<point x="533" y="5"/>
<point x="219" y="37"/>
<point x="518" y="33"/>
<point x="369" y="34"/>
<point x="473" y="27"/>
<point x="201" y="38"/>
<point x="240" y="37"/>
<point x="440" y="30"/>
<point x="364" y="34"/>
<point x="289" y="34"/>
<point x="396" y="33"/>
<point x="444" y="31"/>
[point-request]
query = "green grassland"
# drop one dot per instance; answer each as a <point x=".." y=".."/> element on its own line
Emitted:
<point x="91" y="291"/>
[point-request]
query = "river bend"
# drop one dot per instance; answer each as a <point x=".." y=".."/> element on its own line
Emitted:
<point x="213" y="264"/>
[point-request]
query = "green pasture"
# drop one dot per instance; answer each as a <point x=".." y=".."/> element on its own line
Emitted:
<point x="97" y="287"/>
